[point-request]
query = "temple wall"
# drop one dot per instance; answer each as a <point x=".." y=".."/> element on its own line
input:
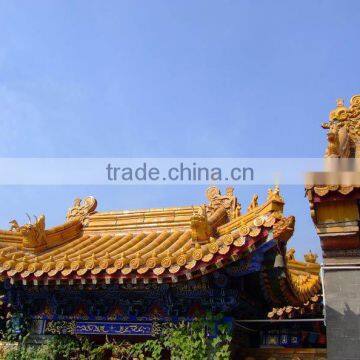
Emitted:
<point x="342" y="293"/>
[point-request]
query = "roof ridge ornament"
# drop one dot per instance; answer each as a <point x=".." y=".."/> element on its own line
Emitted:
<point x="82" y="208"/>
<point x="274" y="194"/>
<point x="340" y="103"/>
<point x="290" y="254"/>
<point x="284" y="228"/>
<point x="310" y="257"/>
<point x="34" y="236"/>
<point x="220" y="210"/>
<point x="200" y="227"/>
<point x="254" y="203"/>
<point x="14" y="226"/>
<point x="344" y="130"/>
<point x="217" y="201"/>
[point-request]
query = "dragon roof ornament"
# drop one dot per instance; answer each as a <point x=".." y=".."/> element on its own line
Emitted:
<point x="343" y="143"/>
<point x="310" y="257"/>
<point x="33" y="234"/>
<point x="221" y="209"/>
<point x="344" y="130"/>
<point x="82" y="208"/>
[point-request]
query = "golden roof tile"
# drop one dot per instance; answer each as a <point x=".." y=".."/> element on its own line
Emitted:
<point x="303" y="277"/>
<point x="151" y="244"/>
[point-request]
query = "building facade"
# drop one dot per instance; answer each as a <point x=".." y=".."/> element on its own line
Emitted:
<point x="126" y="273"/>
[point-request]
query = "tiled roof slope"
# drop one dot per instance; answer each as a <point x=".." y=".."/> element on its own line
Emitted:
<point x="161" y="245"/>
<point x="303" y="276"/>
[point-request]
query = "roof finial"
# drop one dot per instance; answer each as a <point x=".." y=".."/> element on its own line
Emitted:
<point x="340" y="102"/>
<point x="310" y="257"/>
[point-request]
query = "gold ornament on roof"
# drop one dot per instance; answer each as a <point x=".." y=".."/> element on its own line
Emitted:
<point x="270" y="221"/>
<point x="219" y="210"/>
<point x="284" y="228"/>
<point x="213" y="246"/>
<point x="120" y="263"/>
<point x="255" y="231"/>
<point x="151" y="262"/>
<point x="228" y="239"/>
<point x="91" y="263"/>
<point x="9" y="264"/>
<point x="77" y="263"/>
<point x="182" y="258"/>
<point x="197" y="252"/>
<point x="166" y="261"/>
<point x="344" y="130"/>
<point x="22" y="265"/>
<point x="259" y="221"/>
<point x="62" y="264"/>
<point x="254" y="203"/>
<point x="244" y="230"/>
<point x="240" y="241"/>
<point x="49" y="265"/>
<point x="34" y="266"/>
<point x="200" y="227"/>
<point x="274" y="194"/>
<point x="14" y="226"/>
<point x="82" y="208"/>
<point x="106" y="261"/>
<point x="232" y="205"/>
<point x="135" y="263"/>
<point x="310" y="257"/>
<point x="290" y="255"/>
<point x="34" y="236"/>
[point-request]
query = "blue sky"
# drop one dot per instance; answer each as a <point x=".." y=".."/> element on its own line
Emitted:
<point x="172" y="79"/>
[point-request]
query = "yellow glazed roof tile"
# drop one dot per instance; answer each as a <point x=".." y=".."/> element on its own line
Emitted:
<point x="151" y="243"/>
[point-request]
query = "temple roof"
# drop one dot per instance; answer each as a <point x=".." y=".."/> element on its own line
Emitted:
<point x="161" y="245"/>
<point x="303" y="281"/>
